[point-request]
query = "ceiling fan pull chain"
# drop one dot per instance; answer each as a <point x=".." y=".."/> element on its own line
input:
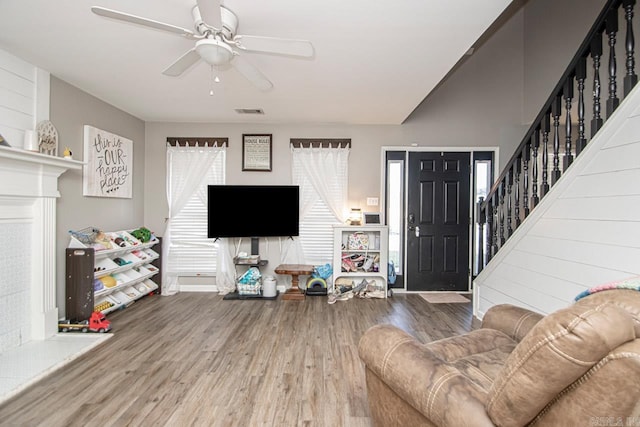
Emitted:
<point x="211" y="83"/>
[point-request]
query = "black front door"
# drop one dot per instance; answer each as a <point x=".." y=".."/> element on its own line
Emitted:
<point x="438" y="221"/>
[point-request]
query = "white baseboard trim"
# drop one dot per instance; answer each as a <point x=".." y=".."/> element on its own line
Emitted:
<point x="198" y="288"/>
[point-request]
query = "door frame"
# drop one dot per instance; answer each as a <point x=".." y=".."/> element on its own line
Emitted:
<point x="416" y="148"/>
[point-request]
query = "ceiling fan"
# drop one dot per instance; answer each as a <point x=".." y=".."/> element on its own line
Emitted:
<point x="217" y="43"/>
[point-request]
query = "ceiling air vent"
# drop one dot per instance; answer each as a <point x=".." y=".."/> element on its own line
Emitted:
<point x="249" y="111"/>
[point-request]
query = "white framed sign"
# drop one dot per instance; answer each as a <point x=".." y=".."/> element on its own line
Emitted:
<point x="108" y="169"/>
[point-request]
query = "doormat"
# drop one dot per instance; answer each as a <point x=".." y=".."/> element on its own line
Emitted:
<point x="443" y="297"/>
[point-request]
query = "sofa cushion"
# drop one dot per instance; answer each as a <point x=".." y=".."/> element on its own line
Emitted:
<point x="479" y="355"/>
<point x="556" y="352"/>
<point x="433" y="387"/>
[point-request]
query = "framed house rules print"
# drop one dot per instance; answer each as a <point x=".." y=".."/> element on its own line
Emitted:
<point x="108" y="169"/>
<point x="256" y="153"/>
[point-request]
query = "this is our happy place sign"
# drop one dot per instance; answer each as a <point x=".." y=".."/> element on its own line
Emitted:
<point x="108" y="164"/>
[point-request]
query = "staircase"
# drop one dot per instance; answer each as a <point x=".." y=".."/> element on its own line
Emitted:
<point x="562" y="216"/>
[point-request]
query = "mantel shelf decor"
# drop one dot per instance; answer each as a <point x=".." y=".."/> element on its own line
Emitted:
<point x="108" y="170"/>
<point x="47" y="138"/>
<point x="256" y="152"/>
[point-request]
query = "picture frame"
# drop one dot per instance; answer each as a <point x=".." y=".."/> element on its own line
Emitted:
<point x="371" y="218"/>
<point x="108" y="168"/>
<point x="256" y="152"/>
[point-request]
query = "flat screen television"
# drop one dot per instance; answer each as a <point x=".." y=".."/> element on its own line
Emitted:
<point x="253" y="210"/>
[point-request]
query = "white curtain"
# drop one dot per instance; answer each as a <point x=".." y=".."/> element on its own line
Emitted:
<point x="186" y="172"/>
<point x="322" y="174"/>
<point x="225" y="280"/>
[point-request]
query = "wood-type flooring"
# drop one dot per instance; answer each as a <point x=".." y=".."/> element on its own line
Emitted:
<point x="195" y="360"/>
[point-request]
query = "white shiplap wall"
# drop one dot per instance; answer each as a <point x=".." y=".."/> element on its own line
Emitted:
<point x="24" y="101"/>
<point x="24" y="97"/>
<point x="585" y="232"/>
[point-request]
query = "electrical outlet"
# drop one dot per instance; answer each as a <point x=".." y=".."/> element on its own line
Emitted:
<point x="372" y="201"/>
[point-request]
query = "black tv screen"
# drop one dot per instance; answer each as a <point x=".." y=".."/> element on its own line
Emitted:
<point x="253" y="210"/>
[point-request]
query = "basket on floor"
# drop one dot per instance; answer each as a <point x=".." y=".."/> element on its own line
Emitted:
<point x="250" y="283"/>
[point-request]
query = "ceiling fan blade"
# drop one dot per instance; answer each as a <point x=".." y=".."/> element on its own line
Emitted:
<point x="291" y="47"/>
<point x="210" y="12"/>
<point x="182" y="64"/>
<point x="251" y="73"/>
<point x="114" y="14"/>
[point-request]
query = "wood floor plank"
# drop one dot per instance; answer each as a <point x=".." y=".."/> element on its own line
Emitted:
<point x="195" y="359"/>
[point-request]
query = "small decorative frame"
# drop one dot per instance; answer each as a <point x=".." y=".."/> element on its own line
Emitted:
<point x="47" y="138"/>
<point x="256" y="152"/>
<point x="371" y="218"/>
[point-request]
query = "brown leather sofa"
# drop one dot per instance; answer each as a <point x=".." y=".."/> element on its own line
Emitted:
<point x="578" y="366"/>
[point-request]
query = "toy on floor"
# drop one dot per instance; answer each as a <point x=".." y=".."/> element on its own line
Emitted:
<point x="96" y="323"/>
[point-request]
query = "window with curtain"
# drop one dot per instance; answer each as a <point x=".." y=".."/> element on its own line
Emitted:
<point x="188" y="251"/>
<point x="322" y="174"/>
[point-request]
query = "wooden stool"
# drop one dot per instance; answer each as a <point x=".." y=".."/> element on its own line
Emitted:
<point x="294" y="270"/>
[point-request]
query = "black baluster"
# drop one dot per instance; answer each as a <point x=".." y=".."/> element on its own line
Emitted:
<point x="611" y="28"/>
<point x="546" y="128"/>
<point x="556" y="108"/>
<point x="516" y="195"/>
<point x="509" y="202"/>
<point x="535" y="144"/>
<point x="526" y="156"/>
<point x="568" y="97"/>
<point x="502" y="190"/>
<point x="631" y="78"/>
<point x="581" y="75"/>
<point x="489" y="216"/>
<point x="482" y="219"/>
<point x="596" y="54"/>
<point x="495" y="223"/>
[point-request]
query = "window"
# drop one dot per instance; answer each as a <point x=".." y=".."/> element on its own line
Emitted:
<point x="321" y="174"/>
<point x="190" y="171"/>
<point x="395" y="212"/>
<point x="482" y="180"/>
<point x="191" y="252"/>
<point x="316" y="234"/>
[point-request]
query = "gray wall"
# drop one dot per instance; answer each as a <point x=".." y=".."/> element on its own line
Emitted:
<point x="364" y="158"/>
<point x="553" y="31"/>
<point x="481" y="103"/>
<point x="71" y="109"/>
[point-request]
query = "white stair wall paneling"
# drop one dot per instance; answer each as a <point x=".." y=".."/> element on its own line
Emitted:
<point x="585" y="232"/>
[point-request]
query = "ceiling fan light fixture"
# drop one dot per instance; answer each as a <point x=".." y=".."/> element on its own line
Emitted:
<point x="214" y="52"/>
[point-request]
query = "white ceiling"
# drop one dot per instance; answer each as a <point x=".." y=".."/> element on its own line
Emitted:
<point x="374" y="61"/>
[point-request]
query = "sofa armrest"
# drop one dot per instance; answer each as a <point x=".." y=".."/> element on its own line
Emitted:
<point x="514" y="321"/>
<point x="434" y="388"/>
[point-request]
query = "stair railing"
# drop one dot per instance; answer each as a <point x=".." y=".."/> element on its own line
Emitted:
<point x="536" y="164"/>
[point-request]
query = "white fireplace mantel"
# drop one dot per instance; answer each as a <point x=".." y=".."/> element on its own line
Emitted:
<point x="28" y="193"/>
<point x="36" y="174"/>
